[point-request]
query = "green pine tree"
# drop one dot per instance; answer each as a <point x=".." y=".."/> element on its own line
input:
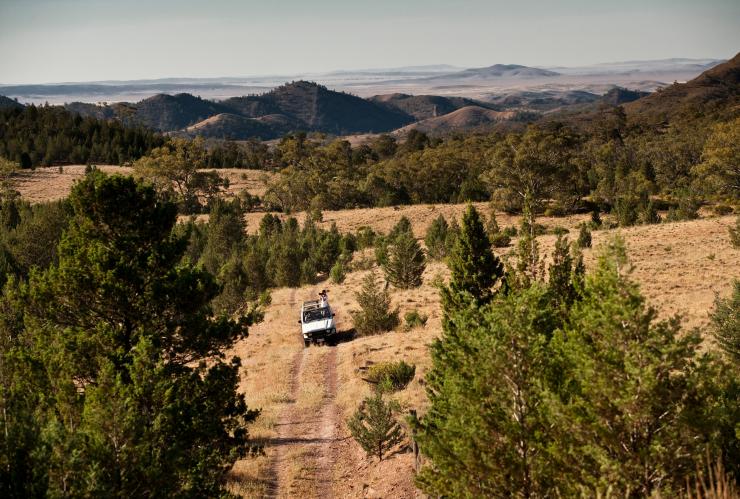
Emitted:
<point x="116" y="335"/>
<point x="487" y="430"/>
<point x="726" y="324"/>
<point x="628" y="378"/>
<point x="584" y="236"/>
<point x="564" y="275"/>
<point x="374" y="426"/>
<point x="436" y="238"/>
<point x="474" y="269"/>
<point x="375" y="314"/>
<point x="406" y="262"/>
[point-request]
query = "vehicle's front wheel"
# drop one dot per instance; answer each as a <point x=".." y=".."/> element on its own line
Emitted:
<point x="307" y="343"/>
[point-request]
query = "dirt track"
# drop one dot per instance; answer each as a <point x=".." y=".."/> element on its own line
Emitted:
<point x="305" y="448"/>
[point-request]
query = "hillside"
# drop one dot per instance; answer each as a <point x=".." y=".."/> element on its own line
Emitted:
<point x="715" y="93"/>
<point x="299" y="105"/>
<point x="546" y="100"/>
<point x="422" y="107"/>
<point x="172" y="112"/>
<point x="618" y="96"/>
<point x="673" y="274"/>
<point x="321" y="109"/>
<point x="231" y="126"/>
<point x="8" y="103"/>
<point x="466" y="118"/>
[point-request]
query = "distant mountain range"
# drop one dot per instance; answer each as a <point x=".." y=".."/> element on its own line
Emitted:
<point x="311" y="107"/>
<point x="295" y="106"/>
<point x="442" y="79"/>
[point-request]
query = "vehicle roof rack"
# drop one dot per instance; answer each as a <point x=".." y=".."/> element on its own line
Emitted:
<point x="313" y="304"/>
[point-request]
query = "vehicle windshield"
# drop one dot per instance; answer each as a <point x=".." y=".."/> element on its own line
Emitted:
<point x="316" y="315"/>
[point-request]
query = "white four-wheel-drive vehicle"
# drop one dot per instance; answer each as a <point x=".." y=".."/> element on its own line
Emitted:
<point x="317" y="321"/>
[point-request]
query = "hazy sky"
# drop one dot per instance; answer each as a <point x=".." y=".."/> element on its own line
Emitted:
<point x="83" y="40"/>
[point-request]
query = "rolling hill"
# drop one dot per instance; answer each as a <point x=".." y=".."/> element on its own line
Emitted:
<point x="466" y="118"/>
<point x="505" y="71"/>
<point x="715" y="93"/>
<point x="324" y="110"/>
<point x="231" y="126"/>
<point x="618" y="96"/>
<point x="545" y="100"/>
<point x="422" y="107"/>
<point x="7" y="102"/>
<point x="299" y="105"/>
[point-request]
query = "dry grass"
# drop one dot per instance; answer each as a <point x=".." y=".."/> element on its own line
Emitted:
<point x="49" y="184"/>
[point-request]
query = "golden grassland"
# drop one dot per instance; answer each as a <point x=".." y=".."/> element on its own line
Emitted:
<point x="52" y="183"/>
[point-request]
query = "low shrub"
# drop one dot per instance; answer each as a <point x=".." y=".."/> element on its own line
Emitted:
<point x="374" y="425"/>
<point x="722" y="209"/>
<point x="414" y="319"/>
<point x="584" y="237"/>
<point x="365" y="237"/>
<point x="394" y="376"/>
<point x="338" y="273"/>
<point x="500" y="239"/>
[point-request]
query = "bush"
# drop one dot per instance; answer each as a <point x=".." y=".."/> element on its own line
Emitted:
<point x="500" y="240"/>
<point x="414" y="319"/>
<point x="436" y="238"/>
<point x="584" y="237"/>
<point x="626" y="211"/>
<point x="338" y="273"/>
<point x="559" y="231"/>
<point x="375" y="314"/>
<point x="555" y="210"/>
<point x="648" y="214"/>
<point x="365" y="237"/>
<point x="735" y="233"/>
<point x="595" y="219"/>
<point x="722" y="209"/>
<point x="686" y="209"/>
<point x="393" y="375"/>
